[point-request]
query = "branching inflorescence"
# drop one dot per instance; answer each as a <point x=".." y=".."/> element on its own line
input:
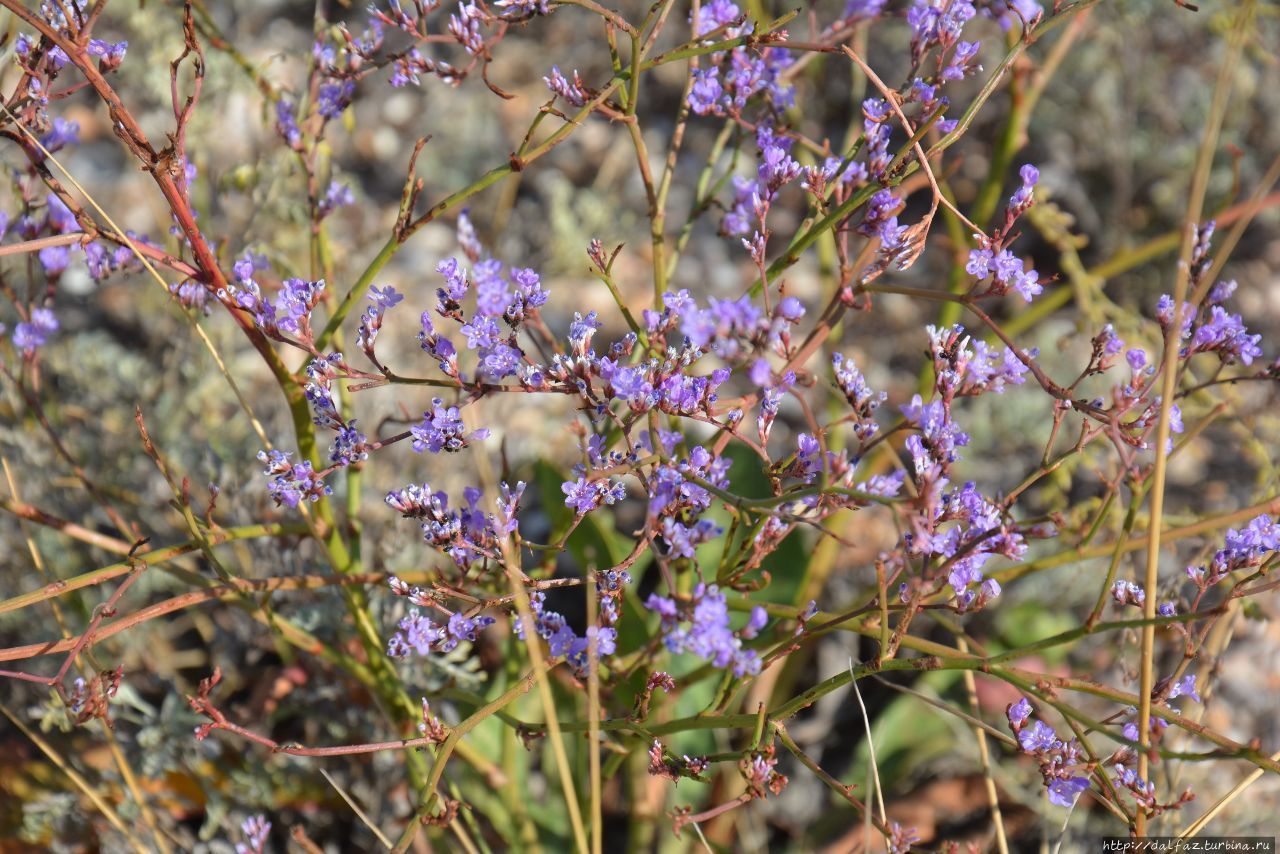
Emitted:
<point x="711" y="429"/>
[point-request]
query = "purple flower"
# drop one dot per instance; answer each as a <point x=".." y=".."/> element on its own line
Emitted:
<point x="384" y="298"/>
<point x="61" y="134"/>
<point x="1037" y="737"/>
<point x="417" y="634"/>
<point x="707" y="634"/>
<point x="1065" y="790"/>
<point x="54" y="259"/>
<point x="349" y="446"/>
<point x="332" y="98"/>
<point x="1185" y="686"/>
<point x="29" y="335"/>
<point x="573" y="92"/>
<point x="292" y="482"/>
<point x="706" y="91"/>
<point x="584" y="496"/>
<point x="336" y="196"/>
<point x="1225" y="334"/>
<point x="442" y="429"/>
<point x="1019" y="712"/>
<point x="287" y="123"/>
<point x="256" y="829"/>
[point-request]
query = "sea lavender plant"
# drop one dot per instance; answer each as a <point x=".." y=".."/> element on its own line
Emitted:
<point x="610" y="514"/>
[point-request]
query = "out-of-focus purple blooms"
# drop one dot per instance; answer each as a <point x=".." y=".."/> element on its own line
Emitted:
<point x="385" y="298"/>
<point x="1185" y="686"/>
<point x="1023" y="13"/>
<point x="334" y="97"/>
<point x="256" y="829"/>
<point x="1167" y="609"/>
<point x="884" y="485"/>
<point x="705" y="92"/>
<point x="337" y="195"/>
<point x="525" y="7"/>
<point x="1164" y="313"/>
<point x="60" y="218"/>
<point x="1136" y="358"/>
<point x="34" y="333"/>
<point x="54" y="259"/>
<point x="110" y="54"/>
<point x="961" y="63"/>
<point x="1221" y="292"/>
<point x="714" y="15"/>
<point x="1065" y="790"/>
<point x="61" y="134"/>
<point x="684" y="539"/>
<point x="287" y="123"/>
<point x="465" y="27"/>
<point x="862" y="10"/>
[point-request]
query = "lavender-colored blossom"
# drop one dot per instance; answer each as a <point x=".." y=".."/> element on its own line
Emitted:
<point x="1065" y="790"/>
<point x="349" y="446"/>
<point x="292" y="482"/>
<point x="584" y="496"/>
<point x="573" y="92"/>
<point x="442" y="430"/>
<point x="1225" y="334"/>
<point x="385" y="298"/>
<point x="287" y="123"/>
<point x="1037" y="737"/>
<point x="61" y="134"/>
<point x="707" y="633"/>
<point x="705" y="92"/>
<point x="334" y="97"/>
<point x="256" y="829"/>
<point x="417" y="634"/>
<point x="1185" y="686"/>
<point x="337" y="195"/>
<point x="1019" y="712"/>
<point x="34" y="333"/>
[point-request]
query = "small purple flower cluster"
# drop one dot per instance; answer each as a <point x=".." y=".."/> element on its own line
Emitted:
<point x="1243" y="548"/>
<point x="1062" y="764"/>
<point x="292" y="482"/>
<point x="465" y="535"/>
<point x="418" y="634"/>
<point x="1211" y="329"/>
<point x="734" y="76"/>
<point x="562" y="640"/>
<point x="701" y="627"/>
<point x="33" y="333"/>
<point x="442" y="430"/>
<point x="256" y="830"/>
<point x="289" y="315"/>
